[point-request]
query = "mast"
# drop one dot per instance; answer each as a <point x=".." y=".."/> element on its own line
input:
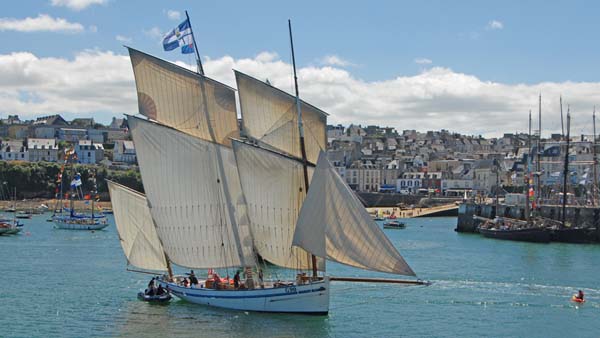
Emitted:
<point x="566" y="169"/>
<point x="198" y="61"/>
<point x="301" y="132"/>
<point x="595" y="181"/>
<point x="527" y="211"/>
<point x="562" y="124"/>
<point x="538" y="166"/>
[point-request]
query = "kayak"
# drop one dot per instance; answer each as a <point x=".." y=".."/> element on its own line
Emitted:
<point x="577" y="299"/>
<point x="154" y="299"/>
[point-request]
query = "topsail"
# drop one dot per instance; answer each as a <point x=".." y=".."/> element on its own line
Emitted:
<point x="333" y="224"/>
<point x="184" y="100"/>
<point x="269" y="115"/>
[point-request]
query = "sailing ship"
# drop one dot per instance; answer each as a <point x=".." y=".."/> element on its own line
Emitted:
<point x="218" y="200"/>
<point x="69" y="218"/>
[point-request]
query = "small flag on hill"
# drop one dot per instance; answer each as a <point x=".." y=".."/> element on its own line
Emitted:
<point x="181" y="36"/>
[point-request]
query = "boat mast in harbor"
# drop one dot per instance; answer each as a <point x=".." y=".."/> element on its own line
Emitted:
<point x="527" y="186"/>
<point x="566" y="170"/>
<point x="538" y="167"/>
<point x="595" y="165"/>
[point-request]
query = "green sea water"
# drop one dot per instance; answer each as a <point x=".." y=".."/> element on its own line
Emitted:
<point x="61" y="283"/>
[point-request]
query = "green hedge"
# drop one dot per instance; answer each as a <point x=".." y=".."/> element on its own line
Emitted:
<point x="38" y="179"/>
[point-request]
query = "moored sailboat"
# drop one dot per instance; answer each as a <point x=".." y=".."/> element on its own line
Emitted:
<point x="69" y="218"/>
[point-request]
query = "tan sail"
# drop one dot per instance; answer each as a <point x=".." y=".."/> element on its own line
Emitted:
<point x="137" y="232"/>
<point x="273" y="187"/>
<point x="269" y="115"/>
<point x="184" y="100"/>
<point x="188" y="199"/>
<point x="333" y="224"/>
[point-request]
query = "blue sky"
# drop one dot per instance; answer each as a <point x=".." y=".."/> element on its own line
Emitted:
<point x="507" y="43"/>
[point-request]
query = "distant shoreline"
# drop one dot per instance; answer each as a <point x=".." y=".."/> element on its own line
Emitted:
<point x="30" y="204"/>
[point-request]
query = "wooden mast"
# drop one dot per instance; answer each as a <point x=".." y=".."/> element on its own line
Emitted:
<point x="198" y="61"/>
<point x="301" y="132"/>
<point x="566" y="170"/>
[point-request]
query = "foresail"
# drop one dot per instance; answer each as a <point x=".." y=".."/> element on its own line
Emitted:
<point x="188" y="198"/>
<point x="273" y="186"/>
<point x="184" y="100"/>
<point x="269" y="115"/>
<point x="335" y="225"/>
<point x="137" y="232"/>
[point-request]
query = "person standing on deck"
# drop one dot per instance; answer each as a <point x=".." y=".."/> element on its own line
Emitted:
<point x="236" y="280"/>
<point x="261" y="281"/>
<point x="193" y="279"/>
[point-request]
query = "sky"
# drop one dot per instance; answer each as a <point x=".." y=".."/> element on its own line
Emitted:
<point x="466" y="66"/>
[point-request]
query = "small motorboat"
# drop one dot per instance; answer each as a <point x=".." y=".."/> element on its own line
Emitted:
<point x="23" y="215"/>
<point x="394" y="225"/>
<point x="164" y="298"/>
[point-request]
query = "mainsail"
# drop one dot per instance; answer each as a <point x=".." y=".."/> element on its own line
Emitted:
<point x="269" y="115"/>
<point x="201" y="222"/>
<point x="137" y="232"/>
<point x="273" y="186"/>
<point x="184" y="100"/>
<point x="333" y="224"/>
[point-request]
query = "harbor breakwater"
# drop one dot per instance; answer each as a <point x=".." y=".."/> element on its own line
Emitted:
<point x="575" y="216"/>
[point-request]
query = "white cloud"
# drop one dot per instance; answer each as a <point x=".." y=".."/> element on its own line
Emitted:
<point x="173" y="15"/>
<point x="100" y="84"/>
<point x="41" y="23"/>
<point x="334" y="60"/>
<point x="423" y="61"/>
<point x="122" y="38"/>
<point x="154" y="33"/>
<point x="76" y="5"/>
<point x="495" y="24"/>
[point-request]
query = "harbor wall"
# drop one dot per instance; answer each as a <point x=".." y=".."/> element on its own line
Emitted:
<point x="382" y="200"/>
<point x="579" y="216"/>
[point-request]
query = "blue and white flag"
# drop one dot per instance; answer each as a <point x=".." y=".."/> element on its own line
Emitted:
<point x="76" y="181"/>
<point x="182" y="37"/>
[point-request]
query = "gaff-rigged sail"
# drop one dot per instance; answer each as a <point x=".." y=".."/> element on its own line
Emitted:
<point x="333" y="224"/>
<point x="197" y="217"/>
<point x="269" y="115"/>
<point x="137" y="232"/>
<point x="184" y="100"/>
<point x="273" y="186"/>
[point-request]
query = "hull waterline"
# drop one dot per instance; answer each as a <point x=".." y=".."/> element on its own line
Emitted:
<point x="537" y="235"/>
<point x="310" y="298"/>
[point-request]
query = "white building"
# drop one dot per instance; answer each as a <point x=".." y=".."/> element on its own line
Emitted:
<point x="13" y="151"/>
<point x="42" y="149"/>
<point x="88" y="152"/>
<point x="124" y="151"/>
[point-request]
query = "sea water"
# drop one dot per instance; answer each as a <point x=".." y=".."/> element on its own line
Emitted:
<point x="66" y="283"/>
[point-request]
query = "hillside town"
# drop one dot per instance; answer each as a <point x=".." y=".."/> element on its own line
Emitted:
<point x="442" y="163"/>
<point x="369" y="158"/>
<point x="46" y="138"/>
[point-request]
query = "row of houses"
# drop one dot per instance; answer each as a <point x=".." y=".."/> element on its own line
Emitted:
<point x="374" y="159"/>
<point x="88" y="151"/>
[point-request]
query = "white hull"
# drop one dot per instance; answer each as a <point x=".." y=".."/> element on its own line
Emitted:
<point x="76" y="226"/>
<point x="307" y="298"/>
